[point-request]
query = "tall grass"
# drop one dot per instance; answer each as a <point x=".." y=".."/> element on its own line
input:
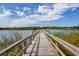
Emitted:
<point x="72" y="37"/>
<point x="6" y="41"/>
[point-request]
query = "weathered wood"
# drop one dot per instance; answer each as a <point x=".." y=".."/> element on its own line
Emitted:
<point x="22" y="51"/>
<point x="55" y="45"/>
<point x="9" y="48"/>
<point x="41" y="46"/>
<point x="70" y="47"/>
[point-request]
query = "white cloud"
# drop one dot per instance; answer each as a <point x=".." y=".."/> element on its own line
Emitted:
<point x="26" y="8"/>
<point x="4" y="16"/>
<point x="5" y="13"/>
<point x="42" y="9"/>
<point x="22" y="21"/>
<point x="20" y="13"/>
<point x="47" y="14"/>
<point x="60" y="8"/>
<point x="56" y="11"/>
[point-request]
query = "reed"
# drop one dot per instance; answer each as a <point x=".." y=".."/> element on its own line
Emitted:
<point x="72" y="37"/>
<point x="6" y="41"/>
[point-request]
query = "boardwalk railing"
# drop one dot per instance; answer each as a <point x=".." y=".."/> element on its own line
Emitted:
<point x="22" y="44"/>
<point x="57" y="41"/>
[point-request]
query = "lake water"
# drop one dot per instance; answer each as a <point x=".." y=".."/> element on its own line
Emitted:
<point x="8" y="33"/>
<point x="64" y="31"/>
<point x="26" y="33"/>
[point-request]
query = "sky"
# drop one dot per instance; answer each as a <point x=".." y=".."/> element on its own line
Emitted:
<point x="39" y="14"/>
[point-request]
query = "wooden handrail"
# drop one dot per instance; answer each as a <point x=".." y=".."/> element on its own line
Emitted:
<point x="9" y="48"/>
<point x="59" y="51"/>
<point x="70" y="47"/>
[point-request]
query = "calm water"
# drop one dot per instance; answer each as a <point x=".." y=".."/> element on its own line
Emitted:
<point x="64" y="31"/>
<point x="26" y="33"/>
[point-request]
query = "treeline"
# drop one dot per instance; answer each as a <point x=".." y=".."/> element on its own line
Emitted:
<point x="37" y="28"/>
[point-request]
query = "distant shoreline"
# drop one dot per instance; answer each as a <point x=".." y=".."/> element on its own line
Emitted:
<point x="39" y="28"/>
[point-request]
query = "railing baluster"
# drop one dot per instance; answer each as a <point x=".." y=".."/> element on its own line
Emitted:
<point x="19" y="43"/>
<point x="24" y="49"/>
<point x="70" y="47"/>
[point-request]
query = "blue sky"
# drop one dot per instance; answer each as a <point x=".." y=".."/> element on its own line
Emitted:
<point x="38" y="14"/>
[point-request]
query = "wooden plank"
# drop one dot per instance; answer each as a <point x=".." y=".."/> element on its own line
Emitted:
<point x="9" y="48"/>
<point x="43" y="47"/>
<point x="61" y="53"/>
<point x="67" y="45"/>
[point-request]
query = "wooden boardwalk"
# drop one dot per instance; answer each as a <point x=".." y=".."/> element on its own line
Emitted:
<point x="41" y="43"/>
<point x="41" y="46"/>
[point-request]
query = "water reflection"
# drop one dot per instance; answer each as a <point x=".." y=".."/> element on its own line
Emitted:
<point x="8" y="33"/>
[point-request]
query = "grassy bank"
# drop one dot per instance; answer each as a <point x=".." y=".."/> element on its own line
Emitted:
<point x="40" y="28"/>
<point x="72" y="37"/>
<point x="8" y="41"/>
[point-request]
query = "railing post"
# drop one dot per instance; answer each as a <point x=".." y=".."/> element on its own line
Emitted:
<point x="24" y="49"/>
<point x="73" y="49"/>
<point x="49" y="37"/>
<point x="21" y="44"/>
<point x="56" y="43"/>
<point x="31" y="39"/>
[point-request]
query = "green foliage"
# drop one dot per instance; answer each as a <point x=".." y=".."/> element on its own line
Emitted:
<point x="15" y="51"/>
<point x="72" y="37"/>
<point x="65" y="51"/>
<point x="8" y="41"/>
<point x="38" y="28"/>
